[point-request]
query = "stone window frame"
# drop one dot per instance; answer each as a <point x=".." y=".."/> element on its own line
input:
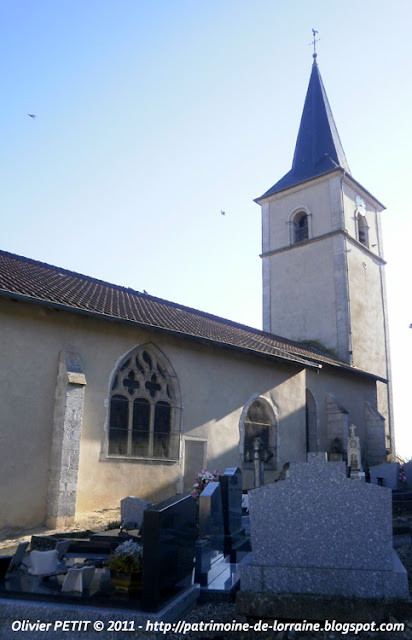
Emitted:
<point x="273" y="435"/>
<point x="362" y="229"/>
<point x="174" y="398"/>
<point x="297" y="214"/>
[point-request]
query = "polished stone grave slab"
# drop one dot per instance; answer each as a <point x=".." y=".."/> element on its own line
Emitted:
<point x="224" y="580"/>
<point x="211" y="523"/>
<point x="33" y="609"/>
<point x="235" y="544"/>
<point x="169" y="537"/>
<point x="210" y="542"/>
<point x="22" y="585"/>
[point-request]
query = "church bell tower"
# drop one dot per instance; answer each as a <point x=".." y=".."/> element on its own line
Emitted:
<point x="323" y="266"/>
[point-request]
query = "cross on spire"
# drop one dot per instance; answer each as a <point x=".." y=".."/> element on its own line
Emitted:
<point x="314" y="43"/>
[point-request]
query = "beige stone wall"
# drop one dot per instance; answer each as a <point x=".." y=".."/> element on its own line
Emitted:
<point x="329" y="290"/>
<point x="27" y="387"/>
<point x="351" y="392"/>
<point x="366" y="312"/>
<point x="372" y="214"/>
<point x="215" y="384"/>
<point x="367" y="294"/>
<point x="303" y="294"/>
<point x="320" y="199"/>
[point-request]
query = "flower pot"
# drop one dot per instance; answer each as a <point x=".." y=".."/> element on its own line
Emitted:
<point x="126" y="581"/>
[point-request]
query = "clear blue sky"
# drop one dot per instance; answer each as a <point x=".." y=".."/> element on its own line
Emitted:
<point x="153" y="115"/>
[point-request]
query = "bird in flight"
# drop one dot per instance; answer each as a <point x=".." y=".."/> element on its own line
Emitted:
<point x="223" y="212"/>
<point x="32" y="115"/>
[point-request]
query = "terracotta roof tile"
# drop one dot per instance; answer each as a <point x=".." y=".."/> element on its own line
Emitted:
<point x="48" y="284"/>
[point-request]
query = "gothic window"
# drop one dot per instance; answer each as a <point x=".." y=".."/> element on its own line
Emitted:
<point x="260" y="422"/>
<point x="363" y="235"/>
<point x="300" y="227"/>
<point x="144" y="408"/>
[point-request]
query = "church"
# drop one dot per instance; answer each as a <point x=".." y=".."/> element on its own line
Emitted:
<point x="108" y="392"/>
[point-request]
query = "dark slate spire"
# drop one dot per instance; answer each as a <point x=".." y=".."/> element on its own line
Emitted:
<point x="318" y="147"/>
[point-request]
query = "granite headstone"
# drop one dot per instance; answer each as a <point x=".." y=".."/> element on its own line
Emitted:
<point x="131" y="512"/>
<point x="320" y="533"/>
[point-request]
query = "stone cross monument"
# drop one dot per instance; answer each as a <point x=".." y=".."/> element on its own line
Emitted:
<point x="354" y="456"/>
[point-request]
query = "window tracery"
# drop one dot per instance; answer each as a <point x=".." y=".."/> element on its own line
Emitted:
<point x="144" y="408"/>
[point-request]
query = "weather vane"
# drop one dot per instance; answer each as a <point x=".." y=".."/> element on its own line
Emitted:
<point x="314" y="42"/>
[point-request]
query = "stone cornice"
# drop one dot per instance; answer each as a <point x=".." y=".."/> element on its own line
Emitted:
<point x="342" y="232"/>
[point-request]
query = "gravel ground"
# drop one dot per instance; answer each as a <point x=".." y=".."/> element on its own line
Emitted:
<point x="94" y="521"/>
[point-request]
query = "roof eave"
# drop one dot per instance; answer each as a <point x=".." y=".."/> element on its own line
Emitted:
<point x="301" y="362"/>
<point x="344" y="173"/>
<point x="350" y="178"/>
<point x="298" y="184"/>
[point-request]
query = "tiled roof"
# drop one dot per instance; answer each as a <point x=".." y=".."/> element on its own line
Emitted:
<point x="42" y="283"/>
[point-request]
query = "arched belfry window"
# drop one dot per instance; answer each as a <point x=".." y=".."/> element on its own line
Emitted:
<point x="145" y="407"/>
<point x="363" y="230"/>
<point x="300" y="227"/>
<point x="259" y="421"/>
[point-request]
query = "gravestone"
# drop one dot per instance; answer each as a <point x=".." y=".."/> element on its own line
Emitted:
<point x="234" y="542"/>
<point x="211" y="516"/>
<point x="354" y="456"/>
<point x="320" y="534"/>
<point x="385" y="475"/>
<point x="407" y="467"/>
<point x="231" y="487"/>
<point x="19" y="555"/>
<point x="210" y="544"/>
<point x="169" y="536"/>
<point x="131" y="512"/>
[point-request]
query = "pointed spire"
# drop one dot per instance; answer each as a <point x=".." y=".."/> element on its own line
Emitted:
<point x="318" y="147"/>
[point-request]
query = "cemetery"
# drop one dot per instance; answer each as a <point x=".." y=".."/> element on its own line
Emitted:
<point x="316" y="544"/>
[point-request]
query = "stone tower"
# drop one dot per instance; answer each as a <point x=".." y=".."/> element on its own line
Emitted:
<point x="323" y="266"/>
